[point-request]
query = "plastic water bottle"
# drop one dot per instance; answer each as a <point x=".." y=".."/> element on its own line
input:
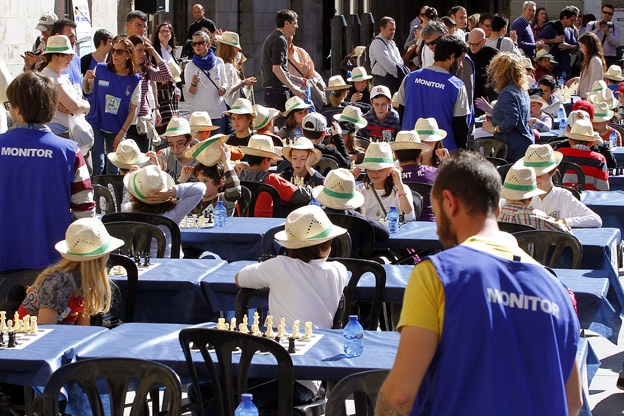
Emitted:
<point x="392" y="219"/>
<point x="246" y="406"/>
<point x="561" y="80"/>
<point x="220" y="215"/>
<point x="563" y="122"/>
<point x="613" y="141"/>
<point x="354" y="337"/>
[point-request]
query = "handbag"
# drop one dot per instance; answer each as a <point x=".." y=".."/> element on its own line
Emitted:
<point x="318" y="96"/>
<point x="81" y="132"/>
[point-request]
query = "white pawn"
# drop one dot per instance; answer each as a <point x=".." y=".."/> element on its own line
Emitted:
<point x="26" y="324"/>
<point x="194" y="220"/>
<point x="269" y="321"/>
<point x="256" y="319"/>
<point x="221" y="323"/>
<point x="15" y="317"/>
<point x="283" y="322"/>
<point x="18" y="325"/>
<point x="242" y="328"/>
<point x="233" y="324"/>
<point x="226" y="327"/>
<point x="281" y="333"/>
<point x="308" y="331"/>
<point x="295" y="330"/>
<point x="245" y="320"/>
<point x="269" y="332"/>
<point x="33" y="325"/>
<point x="201" y="221"/>
<point x="10" y="328"/>
<point x="255" y="330"/>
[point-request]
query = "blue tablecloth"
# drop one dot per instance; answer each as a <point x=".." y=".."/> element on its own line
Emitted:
<point x="171" y="292"/>
<point x="420" y="235"/>
<point x="324" y="361"/>
<point x="609" y="205"/>
<point x="616" y="182"/>
<point x="618" y="152"/>
<point x="33" y="365"/>
<point x="239" y="240"/>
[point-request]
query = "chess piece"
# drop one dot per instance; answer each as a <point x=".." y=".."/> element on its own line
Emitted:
<point x="201" y="221"/>
<point x="269" y="332"/>
<point x="256" y="331"/>
<point x="291" y="346"/>
<point x="283" y="322"/>
<point x="295" y="330"/>
<point x="281" y="333"/>
<point x="10" y="326"/>
<point x="146" y="258"/>
<point x="33" y="325"/>
<point x="15" y="317"/>
<point x="18" y="325"/>
<point x="233" y="324"/>
<point x="3" y="325"/>
<point x="308" y="331"/>
<point x="226" y="327"/>
<point x="221" y="323"/>
<point x="256" y="319"/>
<point x="26" y="324"/>
<point x="245" y="321"/>
<point x="242" y="328"/>
<point x="269" y="321"/>
<point x="11" y="342"/>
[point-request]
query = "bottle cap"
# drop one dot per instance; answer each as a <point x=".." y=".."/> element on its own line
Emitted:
<point x="248" y="396"/>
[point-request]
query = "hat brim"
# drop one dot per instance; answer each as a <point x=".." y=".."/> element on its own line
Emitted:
<point x="200" y="127"/>
<point x="67" y="52"/>
<point x="582" y="137"/>
<point x="520" y="195"/>
<point x="375" y="165"/>
<point x="539" y="100"/>
<point x="221" y="40"/>
<point x="240" y="111"/>
<point x="121" y="165"/>
<point x="409" y="146"/>
<point x="614" y="103"/>
<point x="317" y="153"/>
<point x="603" y="118"/>
<point x="360" y="124"/>
<point x="43" y="28"/>
<point x="538" y="169"/>
<point x="366" y="78"/>
<point x="303" y="106"/>
<point x="337" y="87"/>
<point x="200" y="152"/>
<point x="257" y="152"/>
<point x="337" y="203"/>
<point x="176" y="133"/>
<point x="169" y="180"/>
<point x="111" y="245"/>
<point x="613" y="77"/>
<point x="282" y="238"/>
<point x="432" y="137"/>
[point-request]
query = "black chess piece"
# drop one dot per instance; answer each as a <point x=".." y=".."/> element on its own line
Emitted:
<point x="1" y="338"/>
<point x="137" y="258"/>
<point x="11" y="343"/>
<point x="291" y="346"/>
<point x="146" y="259"/>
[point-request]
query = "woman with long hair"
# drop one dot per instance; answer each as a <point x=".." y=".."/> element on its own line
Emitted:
<point x="540" y="19"/>
<point x="593" y="66"/>
<point x="117" y="89"/>
<point x="511" y="113"/>
<point x="169" y="94"/>
<point x="229" y="50"/>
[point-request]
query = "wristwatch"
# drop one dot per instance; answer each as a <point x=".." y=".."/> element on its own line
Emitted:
<point x="496" y="130"/>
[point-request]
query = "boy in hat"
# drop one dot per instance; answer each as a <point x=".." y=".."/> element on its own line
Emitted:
<point x="556" y="202"/>
<point x="241" y="116"/>
<point x="613" y="77"/>
<point x="314" y="127"/>
<point x="538" y="120"/>
<point x="179" y="140"/>
<point x="383" y="120"/>
<point x="303" y="156"/>
<point x="544" y="64"/>
<point x="581" y="137"/>
<point x="519" y="188"/>
<point x="260" y="153"/>
<point x="600" y="123"/>
<point x="263" y="122"/>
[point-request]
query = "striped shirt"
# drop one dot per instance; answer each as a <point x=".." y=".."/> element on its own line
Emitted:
<point x="82" y="203"/>
<point x="162" y="74"/>
<point x="515" y="212"/>
<point x="593" y="164"/>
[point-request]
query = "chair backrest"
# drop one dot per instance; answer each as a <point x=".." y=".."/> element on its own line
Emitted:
<point x="158" y="220"/>
<point x="422" y="188"/>
<point x="258" y="188"/>
<point x="513" y="227"/>
<point x="270" y="247"/>
<point x="418" y="204"/>
<point x="573" y="191"/>
<point x="364" y="386"/>
<point x="282" y="165"/>
<point x="341" y="246"/>
<point x="115" y="182"/>
<point x="326" y="165"/>
<point x="13" y="289"/>
<point x="547" y="246"/>
<point x="502" y="170"/>
<point x="497" y="161"/>
<point x="617" y="127"/>
<point x="120" y="375"/>
<point x="361" y="142"/>
<point x="361" y="232"/>
<point x="137" y="237"/>
<point x="132" y="275"/>
<point x="101" y="193"/>
<point x="489" y="147"/>
<point x="565" y="167"/>
<point x="243" y="204"/>
<point x="222" y="374"/>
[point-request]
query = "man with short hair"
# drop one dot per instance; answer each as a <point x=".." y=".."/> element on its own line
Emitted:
<point x="103" y="41"/>
<point x="385" y="56"/>
<point x="608" y="33"/>
<point x="522" y="27"/>
<point x="459" y="15"/>
<point x="497" y="38"/>
<point x="481" y="55"/>
<point x="469" y="311"/>
<point x="136" y="23"/>
<point x="485" y="23"/>
<point x="279" y="84"/>
<point x="436" y="92"/>
<point x="560" y="37"/>
<point x="201" y="22"/>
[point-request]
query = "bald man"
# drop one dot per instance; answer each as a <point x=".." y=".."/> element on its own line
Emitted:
<point x="481" y="55"/>
<point x="199" y="23"/>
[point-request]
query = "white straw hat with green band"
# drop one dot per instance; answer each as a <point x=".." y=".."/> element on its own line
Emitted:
<point x="146" y="182"/>
<point x="359" y="74"/>
<point x="263" y="115"/>
<point x="241" y="106"/>
<point x="177" y="126"/>
<point x="208" y="152"/>
<point x="353" y="115"/>
<point x="87" y="239"/>
<point x="541" y="157"/>
<point x="127" y="155"/>
<point x="428" y="131"/>
<point x="378" y="156"/>
<point x="602" y="112"/>
<point x="339" y="191"/>
<point x="59" y="44"/>
<point x="308" y="226"/>
<point x="520" y="184"/>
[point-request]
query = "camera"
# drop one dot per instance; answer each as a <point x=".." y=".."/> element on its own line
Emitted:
<point x="605" y="22"/>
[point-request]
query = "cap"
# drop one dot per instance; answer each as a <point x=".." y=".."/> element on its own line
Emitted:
<point x="314" y="122"/>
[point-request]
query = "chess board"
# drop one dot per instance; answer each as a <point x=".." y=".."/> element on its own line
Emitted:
<point x="302" y="345"/>
<point x="23" y="340"/>
<point x="120" y="271"/>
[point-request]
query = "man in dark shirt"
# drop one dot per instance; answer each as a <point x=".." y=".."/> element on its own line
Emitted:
<point x="199" y="23"/>
<point x="277" y="81"/>
<point x="559" y="35"/>
<point x="481" y="55"/>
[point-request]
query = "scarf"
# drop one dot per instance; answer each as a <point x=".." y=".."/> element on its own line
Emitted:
<point x="206" y="63"/>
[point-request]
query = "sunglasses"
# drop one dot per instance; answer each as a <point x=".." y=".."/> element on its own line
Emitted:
<point x="7" y="105"/>
<point x="200" y="43"/>
<point x="118" y="52"/>
<point x="433" y="42"/>
<point x="488" y="26"/>
<point x="474" y="45"/>
<point x="165" y="31"/>
<point x="607" y="13"/>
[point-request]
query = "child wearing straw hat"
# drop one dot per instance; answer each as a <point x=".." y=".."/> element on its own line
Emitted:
<point x="179" y="140"/>
<point x="519" y="188"/>
<point x="77" y="287"/>
<point x="296" y="110"/>
<point x="241" y="116"/>
<point x="303" y="156"/>
<point x="360" y="91"/>
<point x="538" y="120"/>
<point x="263" y="122"/>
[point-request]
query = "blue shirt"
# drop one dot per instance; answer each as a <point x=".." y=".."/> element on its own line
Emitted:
<point x="552" y="30"/>
<point x="511" y="115"/>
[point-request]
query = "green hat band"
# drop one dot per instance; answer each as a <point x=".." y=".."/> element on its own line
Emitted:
<point x="514" y="187"/>
<point x="204" y="145"/>
<point x="351" y="119"/>
<point x="428" y="132"/>
<point x="357" y="76"/>
<point x="100" y="250"/>
<point x="540" y="164"/>
<point x="603" y="115"/>
<point x="239" y="107"/>
<point x="377" y="160"/>
<point x="264" y="122"/>
<point x="59" y="49"/>
<point x="341" y="195"/>
<point x="173" y="129"/>
<point x="325" y="233"/>
<point x="136" y="189"/>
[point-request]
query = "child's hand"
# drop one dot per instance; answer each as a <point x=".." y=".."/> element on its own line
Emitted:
<point x="356" y="172"/>
<point x="185" y="175"/>
<point x="335" y="128"/>
<point x="226" y="154"/>
<point x="443" y="153"/>
<point x="396" y="178"/>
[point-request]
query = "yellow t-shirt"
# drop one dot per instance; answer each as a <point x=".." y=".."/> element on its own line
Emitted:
<point x="423" y="302"/>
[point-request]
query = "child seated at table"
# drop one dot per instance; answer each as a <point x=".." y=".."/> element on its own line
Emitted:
<point x="241" y="116"/>
<point x="303" y="156"/>
<point x="77" y="287"/>
<point x="556" y="202"/>
<point x="519" y="188"/>
<point x="383" y="120"/>
<point x="548" y="84"/>
<point x="179" y="140"/>
<point x="539" y="120"/>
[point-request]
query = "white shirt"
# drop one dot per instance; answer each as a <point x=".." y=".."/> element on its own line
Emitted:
<point x="206" y="97"/>
<point x="232" y="80"/>
<point x="506" y="45"/>
<point x="560" y="203"/>
<point x="371" y="208"/>
<point x="62" y="81"/>
<point x="384" y="56"/>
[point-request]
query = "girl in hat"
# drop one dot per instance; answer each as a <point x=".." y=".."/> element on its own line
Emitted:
<point x="382" y="185"/>
<point x="303" y="156"/>
<point x="77" y="287"/>
<point x="263" y="123"/>
<point x="296" y="110"/>
<point x="356" y="153"/>
<point x="241" y="116"/>
<point x="538" y="120"/>
<point x="169" y="94"/>
<point x="338" y="90"/>
<point x="360" y="90"/>
<point x="229" y="50"/>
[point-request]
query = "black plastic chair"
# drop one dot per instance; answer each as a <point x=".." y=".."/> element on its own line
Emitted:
<point x="341" y="246"/>
<point x="497" y="161"/>
<point x="502" y="170"/>
<point x="243" y="204"/>
<point x="326" y="165"/>
<point x="489" y="147"/>
<point x="361" y="232"/>
<point x="121" y="375"/>
<point x="158" y="220"/>
<point x="573" y="191"/>
<point x="13" y="289"/>
<point x="282" y="165"/>
<point x="258" y="188"/>
<point x="361" y="142"/>
<point x="137" y="237"/>
<point x="513" y="227"/>
<point x="422" y="188"/>
<point x="229" y="383"/>
<point x="99" y="193"/>
<point x="130" y="290"/>
<point x="115" y="182"/>
<point x="364" y="386"/>
<point x="547" y="246"/>
<point x="418" y="204"/>
<point x="564" y="167"/>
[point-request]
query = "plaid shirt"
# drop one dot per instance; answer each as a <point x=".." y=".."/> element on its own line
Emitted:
<point x="516" y="212"/>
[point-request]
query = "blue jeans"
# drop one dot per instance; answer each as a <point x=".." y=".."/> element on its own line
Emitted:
<point x="102" y="145"/>
<point x="276" y="97"/>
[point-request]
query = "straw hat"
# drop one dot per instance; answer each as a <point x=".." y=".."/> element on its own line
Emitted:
<point x="603" y="96"/>
<point x="337" y="83"/>
<point x="308" y="226"/>
<point x="229" y="38"/>
<point x="303" y="143"/>
<point x="353" y="115"/>
<point x="241" y="106"/>
<point x="127" y="155"/>
<point x="339" y="191"/>
<point x="46" y="21"/>
<point x="520" y="184"/>
<point x="176" y="71"/>
<point x="614" y="72"/>
<point x="295" y="103"/>
<point x="146" y="182"/>
<point x="582" y="130"/>
<point x="59" y="44"/>
<point x="201" y="121"/>
<point x="359" y="74"/>
<point x="358" y="50"/>
<point x="208" y="152"/>
<point x="543" y="53"/>
<point x="602" y="112"/>
<point x="378" y="90"/>
<point x="526" y="62"/>
<point x="541" y="157"/>
<point x="395" y="100"/>
<point x="262" y="115"/>
<point x="427" y="129"/>
<point x="261" y="145"/>
<point x="378" y="156"/>
<point x="87" y="239"/>
<point x="408" y="140"/>
<point x="536" y="98"/>
<point x="177" y="126"/>
<point x="578" y="115"/>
